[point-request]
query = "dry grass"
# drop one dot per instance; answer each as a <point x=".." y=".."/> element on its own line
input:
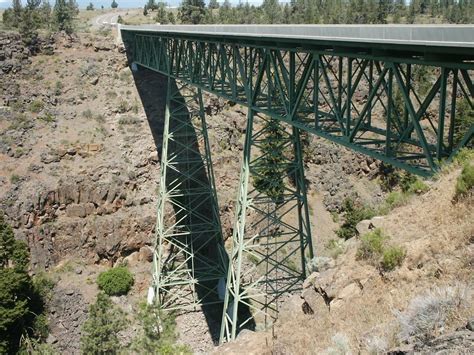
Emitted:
<point x="429" y="314"/>
<point x="436" y="236"/>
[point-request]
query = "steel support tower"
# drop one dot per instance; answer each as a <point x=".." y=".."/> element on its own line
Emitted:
<point x="400" y="94"/>
<point x="269" y="251"/>
<point x="189" y="259"/>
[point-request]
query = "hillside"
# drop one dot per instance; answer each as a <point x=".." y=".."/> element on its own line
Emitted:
<point x="353" y="306"/>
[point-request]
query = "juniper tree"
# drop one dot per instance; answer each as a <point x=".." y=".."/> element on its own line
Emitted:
<point x="161" y="14"/>
<point x="270" y="170"/>
<point x="272" y="10"/>
<point x="213" y="4"/>
<point x="19" y="303"/>
<point x="63" y="14"/>
<point x="192" y="11"/>
<point x="100" y="330"/>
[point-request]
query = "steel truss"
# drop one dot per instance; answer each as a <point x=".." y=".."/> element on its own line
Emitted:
<point x="332" y="93"/>
<point x="189" y="258"/>
<point x="272" y="235"/>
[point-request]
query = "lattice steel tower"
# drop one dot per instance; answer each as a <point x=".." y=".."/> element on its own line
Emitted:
<point x="189" y="259"/>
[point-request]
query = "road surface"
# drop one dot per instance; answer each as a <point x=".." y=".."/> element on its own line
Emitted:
<point x="107" y="19"/>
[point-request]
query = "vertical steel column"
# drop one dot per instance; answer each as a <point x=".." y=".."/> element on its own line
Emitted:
<point x="349" y="97"/>
<point x="405" y="111"/>
<point x="371" y="85"/>
<point x="233" y="296"/>
<point x="316" y="91"/>
<point x="189" y="256"/>
<point x="389" y="115"/>
<point x="442" y="113"/>
<point x="454" y="93"/>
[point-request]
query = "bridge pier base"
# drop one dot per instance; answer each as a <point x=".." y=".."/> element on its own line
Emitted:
<point x="272" y="236"/>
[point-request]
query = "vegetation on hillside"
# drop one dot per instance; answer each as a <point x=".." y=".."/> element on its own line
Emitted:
<point x="374" y="247"/>
<point x="100" y="331"/>
<point x="116" y="281"/>
<point x="38" y="14"/>
<point x="22" y="319"/>
<point x="327" y="11"/>
<point x="270" y="169"/>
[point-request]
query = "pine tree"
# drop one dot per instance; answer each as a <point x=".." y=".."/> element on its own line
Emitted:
<point x="225" y="12"/>
<point x="213" y="4"/>
<point x="45" y="14"/>
<point x="30" y="22"/>
<point x="161" y="15"/>
<point x="17" y="11"/>
<point x="171" y="18"/>
<point x="272" y="11"/>
<point x="16" y="290"/>
<point x="100" y="329"/>
<point x="192" y="11"/>
<point x="90" y="7"/>
<point x="270" y="170"/>
<point x="63" y="14"/>
<point x="114" y="4"/>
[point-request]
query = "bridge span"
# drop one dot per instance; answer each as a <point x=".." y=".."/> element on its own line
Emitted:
<point x="402" y="94"/>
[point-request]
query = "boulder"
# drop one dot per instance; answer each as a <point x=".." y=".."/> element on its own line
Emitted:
<point x="367" y="225"/>
<point x="76" y="211"/>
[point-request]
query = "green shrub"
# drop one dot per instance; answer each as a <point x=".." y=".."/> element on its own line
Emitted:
<point x="354" y="213"/>
<point x="87" y="114"/>
<point x="111" y="94"/>
<point x="371" y="245"/>
<point x="392" y="257"/>
<point x="36" y="106"/>
<point x="395" y="199"/>
<point x="335" y="247"/>
<point x="128" y="120"/>
<point x="15" y="179"/>
<point x="464" y="121"/>
<point x="116" y="281"/>
<point x="375" y="249"/>
<point x="89" y="69"/>
<point x="47" y="117"/>
<point x="465" y="181"/>
<point x="464" y="156"/>
<point x="123" y="106"/>
<point x="418" y="187"/>
<point x="58" y="88"/>
<point x="153" y="339"/>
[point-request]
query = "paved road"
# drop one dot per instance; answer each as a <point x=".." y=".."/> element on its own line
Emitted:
<point x="107" y="19"/>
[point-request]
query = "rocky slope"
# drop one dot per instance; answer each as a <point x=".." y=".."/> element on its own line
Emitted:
<point x="423" y="306"/>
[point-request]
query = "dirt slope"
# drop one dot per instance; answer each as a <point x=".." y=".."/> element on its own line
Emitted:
<point x="364" y="308"/>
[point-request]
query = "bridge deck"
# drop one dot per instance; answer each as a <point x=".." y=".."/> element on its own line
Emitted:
<point x="447" y="39"/>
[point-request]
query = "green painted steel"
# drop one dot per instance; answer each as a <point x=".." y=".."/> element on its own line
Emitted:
<point x="346" y="100"/>
<point x="189" y="258"/>
<point x="392" y="101"/>
<point x="271" y="243"/>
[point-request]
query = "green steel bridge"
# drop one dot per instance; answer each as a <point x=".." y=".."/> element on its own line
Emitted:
<point x="400" y="94"/>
